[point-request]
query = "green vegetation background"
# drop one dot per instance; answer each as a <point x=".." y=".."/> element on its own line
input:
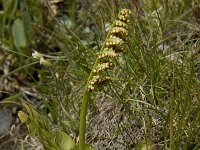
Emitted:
<point x="155" y="99"/>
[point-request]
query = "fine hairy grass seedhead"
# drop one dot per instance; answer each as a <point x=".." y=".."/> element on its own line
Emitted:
<point x="111" y="47"/>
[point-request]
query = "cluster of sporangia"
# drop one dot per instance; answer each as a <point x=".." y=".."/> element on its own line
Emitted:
<point x="113" y="45"/>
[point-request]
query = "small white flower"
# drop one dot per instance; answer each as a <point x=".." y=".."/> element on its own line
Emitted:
<point x="45" y="62"/>
<point x="37" y="55"/>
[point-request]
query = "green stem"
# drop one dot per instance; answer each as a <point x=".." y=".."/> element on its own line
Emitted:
<point x="83" y="114"/>
<point x="86" y="97"/>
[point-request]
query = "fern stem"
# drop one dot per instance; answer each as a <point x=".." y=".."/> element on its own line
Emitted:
<point x="84" y="106"/>
<point x="117" y="39"/>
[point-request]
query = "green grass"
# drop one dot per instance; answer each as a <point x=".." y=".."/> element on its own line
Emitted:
<point x="155" y="97"/>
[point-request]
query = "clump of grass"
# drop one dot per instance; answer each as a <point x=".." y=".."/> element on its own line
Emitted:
<point x="159" y="89"/>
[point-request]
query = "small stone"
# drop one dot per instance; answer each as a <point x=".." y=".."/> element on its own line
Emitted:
<point x="5" y="123"/>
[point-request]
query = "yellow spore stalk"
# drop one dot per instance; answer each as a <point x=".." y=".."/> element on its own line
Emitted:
<point x="113" y="45"/>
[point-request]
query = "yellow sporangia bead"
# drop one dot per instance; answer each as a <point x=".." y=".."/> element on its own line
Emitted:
<point x="108" y="53"/>
<point x="94" y="79"/>
<point x="125" y="12"/>
<point x="114" y="41"/>
<point x="119" y="30"/>
<point x="103" y="81"/>
<point x="103" y="66"/>
<point x="93" y="82"/>
<point x="119" y="23"/>
<point x="97" y="81"/>
<point x="122" y="18"/>
<point x="90" y="88"/>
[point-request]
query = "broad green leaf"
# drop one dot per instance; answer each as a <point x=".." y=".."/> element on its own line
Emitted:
<point x="32" y="129"/>
<point x="28" y="109"/>
<point x="22" y="116"/>
<point x="18" y="34"/>
<point x="64" y="141"/>
<point x="33" y="115"/>
<point x="26" y="19"/>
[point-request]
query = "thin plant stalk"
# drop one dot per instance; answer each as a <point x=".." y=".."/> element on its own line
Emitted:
<point x="84" y="106"/>
<point x="115" y="38"/>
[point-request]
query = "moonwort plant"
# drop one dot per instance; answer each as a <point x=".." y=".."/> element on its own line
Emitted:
<point x="39" y="126"/>
<point x="113" y="45"/>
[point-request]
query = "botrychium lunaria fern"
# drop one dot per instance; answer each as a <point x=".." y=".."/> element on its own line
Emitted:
<point x="113" y="45"/>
